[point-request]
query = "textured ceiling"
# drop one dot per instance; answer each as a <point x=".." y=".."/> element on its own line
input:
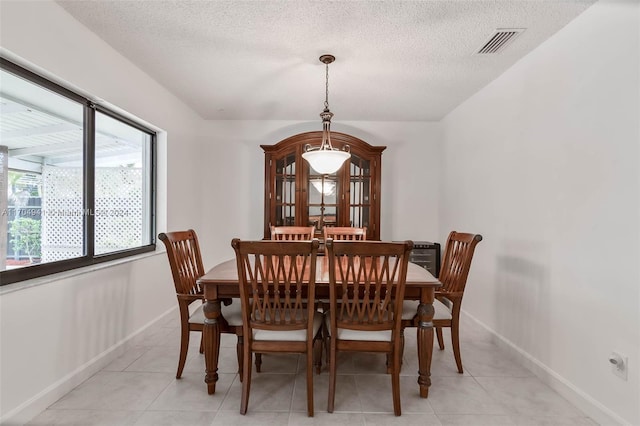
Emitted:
<point x="396" y="60"/>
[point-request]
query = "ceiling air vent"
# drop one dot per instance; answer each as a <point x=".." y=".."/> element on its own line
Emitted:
<point x="499" y="39"/>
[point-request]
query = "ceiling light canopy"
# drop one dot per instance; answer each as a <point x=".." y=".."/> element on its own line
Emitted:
<point x="326" y="159"/>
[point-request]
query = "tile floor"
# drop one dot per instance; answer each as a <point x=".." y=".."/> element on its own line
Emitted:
<point x="140" y="388"/>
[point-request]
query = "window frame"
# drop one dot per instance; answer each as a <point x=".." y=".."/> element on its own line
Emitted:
<point x="90" y="258"/>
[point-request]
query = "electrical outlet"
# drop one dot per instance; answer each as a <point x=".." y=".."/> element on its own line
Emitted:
<point x="619" y="365"/>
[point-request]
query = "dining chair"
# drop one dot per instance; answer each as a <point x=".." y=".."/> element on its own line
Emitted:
<point x="185" y="260"/>
<point x="339" y="233"/>
<point x="289" y="233"/>
<point x="276" y="281"/>
<point x="345" y="233"/>
<point x="292" y="233"/>
<point x="366" y="290"/>
<point x="448" y="299"/>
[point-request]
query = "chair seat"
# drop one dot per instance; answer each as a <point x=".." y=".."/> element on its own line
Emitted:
<point x="360" y="335"/>
<point x="441" y="311"/>
<point x="288" y="335"/>
<point x="232" y="313"/>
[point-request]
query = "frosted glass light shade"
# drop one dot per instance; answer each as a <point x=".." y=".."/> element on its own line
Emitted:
<point x="325" y="161"/>
<point x="327" y="187"/>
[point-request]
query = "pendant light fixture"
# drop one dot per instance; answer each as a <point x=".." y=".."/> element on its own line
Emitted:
<point x="326" y="159"/>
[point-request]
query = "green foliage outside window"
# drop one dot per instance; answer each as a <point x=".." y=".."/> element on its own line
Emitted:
<point x="26" y="236"/>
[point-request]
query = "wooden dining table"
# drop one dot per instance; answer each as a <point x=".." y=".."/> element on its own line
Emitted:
<point x="221" y="282"/>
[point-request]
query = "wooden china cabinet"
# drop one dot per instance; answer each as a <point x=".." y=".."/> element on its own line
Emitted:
<point x="296" y="195"/>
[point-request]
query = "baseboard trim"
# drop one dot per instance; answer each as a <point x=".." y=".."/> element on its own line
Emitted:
<point x="38" y="403"/>
<point x="592" y="408"/>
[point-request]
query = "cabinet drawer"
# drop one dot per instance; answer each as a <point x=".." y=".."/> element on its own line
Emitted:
<point x="429" y="257"/>
<point x="423" y="252"/>
<point x="424" y="263"/>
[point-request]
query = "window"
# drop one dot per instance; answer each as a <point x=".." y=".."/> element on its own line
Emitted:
<point x="76" y="180"/>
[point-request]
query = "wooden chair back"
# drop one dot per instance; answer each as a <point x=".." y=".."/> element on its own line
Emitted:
<point x="457" y="261"/>
<point x="345" y="233"/>
<point x="292" y="233"/>
<point x="276" y="280"/>
<point x="185" y="260"/>
<point x="367" y="282"/>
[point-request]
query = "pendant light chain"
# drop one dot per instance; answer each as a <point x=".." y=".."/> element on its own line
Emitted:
<point x="325" y="159"/>
<point x="326" y="96"/>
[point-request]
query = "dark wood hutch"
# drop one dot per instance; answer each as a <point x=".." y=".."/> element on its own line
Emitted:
<point x="295" y="195"/>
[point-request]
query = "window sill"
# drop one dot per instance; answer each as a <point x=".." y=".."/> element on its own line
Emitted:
<point x="35" y="282"/>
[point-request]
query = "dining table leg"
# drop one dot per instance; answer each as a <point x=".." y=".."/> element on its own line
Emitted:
<point x="211" y="337"/>
<point x="425" y="340"/>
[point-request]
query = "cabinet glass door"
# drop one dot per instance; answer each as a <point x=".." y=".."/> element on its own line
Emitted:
<point x="285" y="191"/>
<point x="322" y="205"/>
<point x="359" y="192"/>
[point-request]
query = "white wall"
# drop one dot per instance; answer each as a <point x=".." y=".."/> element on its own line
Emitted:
<point x="235" y="171"/>
<point x="544" y="163"/>
<point x="210" y="178"/>
<point x="50" y="333"/>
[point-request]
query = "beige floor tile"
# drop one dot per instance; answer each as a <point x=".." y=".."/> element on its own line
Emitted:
<point x="376" y="394"/>
<point x="347" y="399"/>
<point x="347" y="395"/>
<point x="320" y="386"/>
<point x="410" y="396"/>
<point x="551" y="421"/>
<point x="140" y="388"/>
<point x="298" y="418"/>
<point x="443" y="363"/>
<point x="157" y="360"/>
<point x="126" y="359"/>
<point x="195" y="363"/>
<point x="528" y="396"/>
<point x="190" y="393"/>
<point x="461" y="395"/>
<point x="474" y="420"/>
<point x="486" y="359"/>
<point x="269" y="392"/>
<point x="470" y="330"/>
<point x="116" y="391"/>
<point x="403" y="420"/>
<point x="86" y="418"/>
<point x="176" y="418"/>
<point x="252" y="418"/>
